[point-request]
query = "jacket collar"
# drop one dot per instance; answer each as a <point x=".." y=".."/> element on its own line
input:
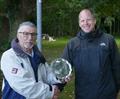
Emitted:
<point x="89" y="36"/>
<point x="17" y="48"/>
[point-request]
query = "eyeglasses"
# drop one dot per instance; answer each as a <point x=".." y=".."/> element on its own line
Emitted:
<point x="27" y="34"/>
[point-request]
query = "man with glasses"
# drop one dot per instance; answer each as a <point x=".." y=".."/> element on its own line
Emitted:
<point x="26" y="73"/>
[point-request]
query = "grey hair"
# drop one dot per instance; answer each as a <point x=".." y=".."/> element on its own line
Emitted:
<point x="27" y="23"/>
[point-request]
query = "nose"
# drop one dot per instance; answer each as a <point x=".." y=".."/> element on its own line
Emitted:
<point x="30" y="37"/>
<point x="84" y="21"/>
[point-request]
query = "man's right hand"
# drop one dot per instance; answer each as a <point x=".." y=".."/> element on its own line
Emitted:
<point x="56" y="92"/>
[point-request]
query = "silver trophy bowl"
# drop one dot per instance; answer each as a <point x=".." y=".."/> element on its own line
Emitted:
<point x="61" y="68"/>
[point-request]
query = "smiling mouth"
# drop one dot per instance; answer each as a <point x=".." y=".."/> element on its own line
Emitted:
<point x="86" y="28"/>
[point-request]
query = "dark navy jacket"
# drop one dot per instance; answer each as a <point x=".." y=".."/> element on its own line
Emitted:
<point x="95" y="58"/>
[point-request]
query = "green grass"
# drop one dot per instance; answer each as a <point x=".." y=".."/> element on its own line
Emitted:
<point x="52" y="50"/>
<point x="118" y="41"/>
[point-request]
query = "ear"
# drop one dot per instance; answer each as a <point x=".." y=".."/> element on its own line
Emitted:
<point x="94" y="21"/>
<point x="18" y="36"/>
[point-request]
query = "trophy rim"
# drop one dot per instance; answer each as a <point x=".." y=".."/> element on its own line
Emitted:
<point x="68" y="64"/>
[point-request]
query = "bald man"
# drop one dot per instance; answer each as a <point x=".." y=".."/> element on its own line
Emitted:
<point x="94" y="56"/>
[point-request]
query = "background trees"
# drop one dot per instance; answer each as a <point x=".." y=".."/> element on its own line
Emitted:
<point x="59" y="17"/>
<point x="62" y="15"/>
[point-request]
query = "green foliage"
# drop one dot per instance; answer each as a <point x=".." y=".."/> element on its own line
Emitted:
<point x="2" y="6"/>
<point x="62" y="17"/>
<point x="118" y="41"/>
<point x="59" y="17"/>
<point x="12" y="9"/>
<point x="4" y="45"/>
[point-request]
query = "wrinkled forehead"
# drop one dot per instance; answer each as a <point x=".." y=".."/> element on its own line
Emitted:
<point x="26" y="28"/>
